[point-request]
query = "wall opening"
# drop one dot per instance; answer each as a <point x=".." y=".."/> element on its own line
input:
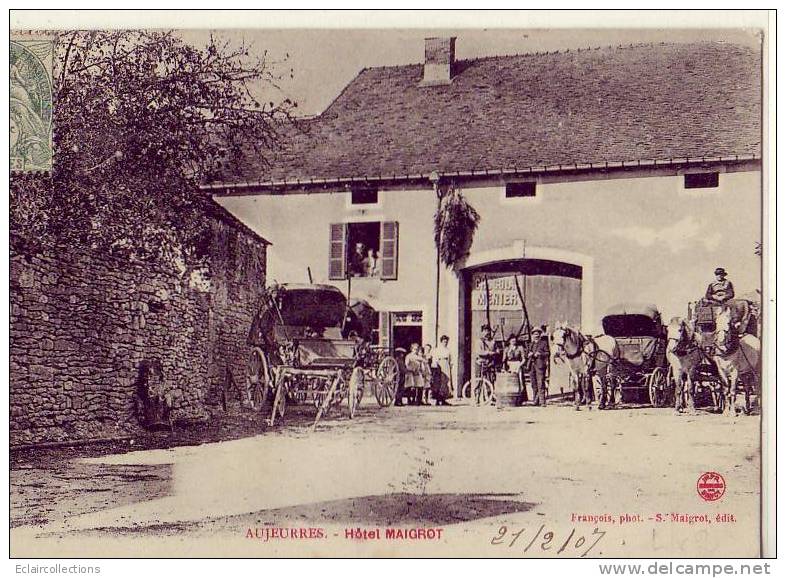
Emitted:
<point x="492" y="293"/>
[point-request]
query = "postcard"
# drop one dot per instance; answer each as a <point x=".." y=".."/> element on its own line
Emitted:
<point x="310" y="291"/>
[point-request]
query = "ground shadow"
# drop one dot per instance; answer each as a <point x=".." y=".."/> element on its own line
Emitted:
<point x="399" y="508"/>
<point x="42" y="496"/>
<point x="385" y="510"/>
<point x="392" y="510"/>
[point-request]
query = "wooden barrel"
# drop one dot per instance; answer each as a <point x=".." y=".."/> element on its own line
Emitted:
<point x="507" y="389"/>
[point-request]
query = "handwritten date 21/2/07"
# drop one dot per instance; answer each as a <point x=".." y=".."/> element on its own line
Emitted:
<point x="548" y="542"/>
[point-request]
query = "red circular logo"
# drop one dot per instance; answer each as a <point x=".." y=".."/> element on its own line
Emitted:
<point x="711" y="486"/>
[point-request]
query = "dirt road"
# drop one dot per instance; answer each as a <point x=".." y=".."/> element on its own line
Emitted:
<point x="625" y="481"/>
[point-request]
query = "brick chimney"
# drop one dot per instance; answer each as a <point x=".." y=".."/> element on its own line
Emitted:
<point x="440" y="59"/>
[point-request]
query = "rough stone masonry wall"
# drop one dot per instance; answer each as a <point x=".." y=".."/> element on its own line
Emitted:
<point x="237" y="284"/>
<point x="82" y="323"/>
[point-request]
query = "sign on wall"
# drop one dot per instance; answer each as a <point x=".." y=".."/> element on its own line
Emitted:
<point x="501" y="295"/>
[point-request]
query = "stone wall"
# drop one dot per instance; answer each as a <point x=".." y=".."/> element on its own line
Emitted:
<point x="82" y="324"/>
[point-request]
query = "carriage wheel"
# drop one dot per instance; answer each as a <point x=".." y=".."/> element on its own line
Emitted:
<point x="257" y="377"/>
<point x="355" y="389"/>
<point x="388" y="374"/>
<point x="656" y="382"/>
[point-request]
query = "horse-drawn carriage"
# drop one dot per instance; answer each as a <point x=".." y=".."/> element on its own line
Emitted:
<point x="309" y="345"/>
<point x="641" y="368"/>
<point x="725" y="336"/>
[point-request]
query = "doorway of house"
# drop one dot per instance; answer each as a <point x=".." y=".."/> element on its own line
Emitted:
<point x="407" y="328"/>
<point x="493" y="295"/>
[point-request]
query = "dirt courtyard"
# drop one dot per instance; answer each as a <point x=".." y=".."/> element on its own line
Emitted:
<point x="457" y="480"/>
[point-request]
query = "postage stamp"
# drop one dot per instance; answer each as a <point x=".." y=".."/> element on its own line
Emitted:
<point x="31" y="100"/>
<point x="324" y="291"/>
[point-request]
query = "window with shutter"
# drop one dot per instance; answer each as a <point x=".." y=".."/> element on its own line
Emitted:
<point x="337" y="265"/>
<point x="389" y="250"/>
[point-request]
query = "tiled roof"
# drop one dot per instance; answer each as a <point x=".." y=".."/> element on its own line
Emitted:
<point x="608" y="104"/>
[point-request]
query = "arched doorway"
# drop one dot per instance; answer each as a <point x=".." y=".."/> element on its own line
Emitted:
<point x="555" y="285"/>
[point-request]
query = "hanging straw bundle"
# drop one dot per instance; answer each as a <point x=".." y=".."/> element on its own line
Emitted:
<point x="455" y="224"/>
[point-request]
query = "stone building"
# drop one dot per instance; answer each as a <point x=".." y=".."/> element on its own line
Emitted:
<point x="86" y="327"/>
<point x="601" y="176"/>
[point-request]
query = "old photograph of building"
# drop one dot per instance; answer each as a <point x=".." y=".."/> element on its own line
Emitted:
<point x="392" y="292"/>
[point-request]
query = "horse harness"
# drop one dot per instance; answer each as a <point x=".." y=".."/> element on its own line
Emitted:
<point x="685" y="344"/>
<point x="581" y="349"/>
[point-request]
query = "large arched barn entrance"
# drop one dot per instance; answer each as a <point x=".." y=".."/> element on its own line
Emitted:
<point x="492" y="293"/>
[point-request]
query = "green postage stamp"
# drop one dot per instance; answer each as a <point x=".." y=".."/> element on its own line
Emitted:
<point x="31" y="103"/>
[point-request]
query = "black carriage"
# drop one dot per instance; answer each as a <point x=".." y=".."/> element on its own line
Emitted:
<point x="309" y="345"/>
<point x="641" y="370"/>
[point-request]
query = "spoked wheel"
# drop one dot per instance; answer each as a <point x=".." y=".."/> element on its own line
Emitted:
<point x="355" y="390"/>
<point x="480" y="390"/>
<point x="257" y="378"/>
<point x="656" y="384"/>
<point x="388" y="374"/>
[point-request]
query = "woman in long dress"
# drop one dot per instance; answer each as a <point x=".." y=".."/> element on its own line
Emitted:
<point x="442" y="361"/>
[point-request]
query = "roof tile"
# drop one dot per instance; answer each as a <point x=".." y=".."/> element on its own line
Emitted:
<point x="612" y="104"/>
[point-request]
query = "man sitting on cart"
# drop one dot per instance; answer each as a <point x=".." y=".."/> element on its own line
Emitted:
<point x="720" y="295"/>
<point x="721" y="290"/>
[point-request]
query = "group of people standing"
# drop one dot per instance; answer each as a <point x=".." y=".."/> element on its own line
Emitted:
<point x="427" y="374"/>
<point x="529" y="359"/>
<point x="526" y="358"/>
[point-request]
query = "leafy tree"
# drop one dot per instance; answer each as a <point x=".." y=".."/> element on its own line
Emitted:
<point x="141" y="118"/>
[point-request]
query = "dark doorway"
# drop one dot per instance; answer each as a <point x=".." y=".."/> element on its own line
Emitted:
<point x="406" y="335"/>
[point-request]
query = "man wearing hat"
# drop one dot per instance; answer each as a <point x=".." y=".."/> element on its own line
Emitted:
<point x="720" y="290"/>
<point x="539" y="354"/>
<point x="485" y="350"/>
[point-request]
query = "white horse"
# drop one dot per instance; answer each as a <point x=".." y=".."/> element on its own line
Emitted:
<point x="590" y="360"/>
<point x="684" y="355"/>
<point x="735" y="356"/>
